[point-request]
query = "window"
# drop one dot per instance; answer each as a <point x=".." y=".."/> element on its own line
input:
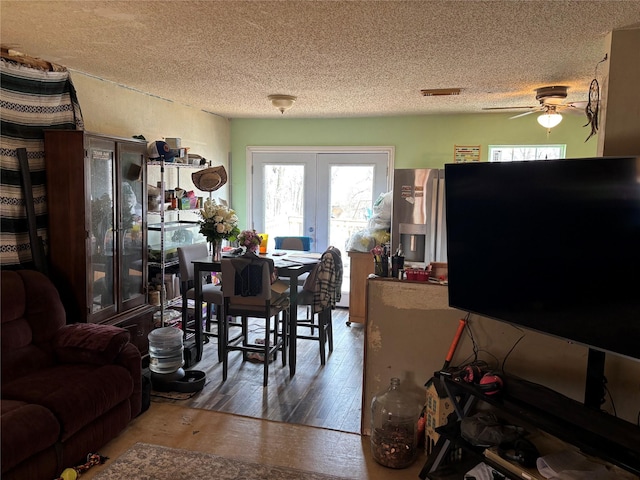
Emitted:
<point x="509" y="153"/>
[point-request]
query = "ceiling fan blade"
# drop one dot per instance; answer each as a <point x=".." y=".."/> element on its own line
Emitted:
<point x="510" y="108"/>
<point x="522" y="115"/>
<point x="573" y="105"/>
<point x="573" y="111"/>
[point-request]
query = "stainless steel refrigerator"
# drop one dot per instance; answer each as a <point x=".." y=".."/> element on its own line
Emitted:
<point x="418" y="220"/>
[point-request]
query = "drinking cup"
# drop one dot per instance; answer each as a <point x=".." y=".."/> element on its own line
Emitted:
<point x="263" y="244"/>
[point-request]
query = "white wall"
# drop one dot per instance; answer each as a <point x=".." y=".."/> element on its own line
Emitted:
<point x="620" y="96"/>
<point x="114" y="109"/>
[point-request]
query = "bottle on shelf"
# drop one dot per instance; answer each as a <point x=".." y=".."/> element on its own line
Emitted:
<point x="397" y="262"/>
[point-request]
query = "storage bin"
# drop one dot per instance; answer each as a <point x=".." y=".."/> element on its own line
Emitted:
<point x="176" y="234"/>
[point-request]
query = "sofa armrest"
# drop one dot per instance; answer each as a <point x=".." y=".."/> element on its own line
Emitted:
<point x="131" y="359"/>
<point x="89" y="343"/>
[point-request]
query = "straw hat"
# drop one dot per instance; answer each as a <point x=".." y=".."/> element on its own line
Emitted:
<point x="210" y="179"/>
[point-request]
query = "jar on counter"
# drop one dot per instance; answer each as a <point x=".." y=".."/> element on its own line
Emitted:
<point x="394" y="426"/>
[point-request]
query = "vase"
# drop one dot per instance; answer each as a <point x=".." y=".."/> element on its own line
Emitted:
<point x="381" y="268"/>
<point x="215" y="250"/>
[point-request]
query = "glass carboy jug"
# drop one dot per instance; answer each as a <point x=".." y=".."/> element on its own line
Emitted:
<point x="394" y="426"/>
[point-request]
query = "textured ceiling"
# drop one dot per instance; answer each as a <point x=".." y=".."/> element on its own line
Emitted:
<point x="340" y="58"/>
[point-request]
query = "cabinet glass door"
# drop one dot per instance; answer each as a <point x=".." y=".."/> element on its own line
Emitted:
<point x="131" y="214"/>
<point x="102" y="283"/>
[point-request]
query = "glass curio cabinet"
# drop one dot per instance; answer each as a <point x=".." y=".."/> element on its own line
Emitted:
<point x="97" y="202"/>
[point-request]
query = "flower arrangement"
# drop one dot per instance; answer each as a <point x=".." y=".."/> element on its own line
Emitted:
<point x="219" y="222"/>
<point x="378" y="253"/>
<point x="249" y="239"/>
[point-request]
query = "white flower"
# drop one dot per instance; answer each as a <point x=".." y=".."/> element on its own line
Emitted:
<point x="218" y="221"/>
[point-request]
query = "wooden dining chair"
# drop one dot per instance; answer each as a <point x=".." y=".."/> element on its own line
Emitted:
<point x="322" y="292"/>
<point x="211" y="294"/>
<point x="293" y="243"/>
<point x="302" y="244"/>
<point x="247" y="291"/>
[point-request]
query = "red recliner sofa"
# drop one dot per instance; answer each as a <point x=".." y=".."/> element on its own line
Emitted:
<point x="66" y="389"/>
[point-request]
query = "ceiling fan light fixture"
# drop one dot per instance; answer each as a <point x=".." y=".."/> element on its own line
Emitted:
<point x="551" y="95"/>
<point x="282" y="102"/>
<point x="549" y="120"/>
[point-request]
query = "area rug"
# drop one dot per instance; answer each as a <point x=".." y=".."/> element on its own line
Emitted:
<point x="144" y="461"/>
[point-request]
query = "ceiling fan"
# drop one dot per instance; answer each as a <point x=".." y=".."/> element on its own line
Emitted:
<point x="551" y="101"/>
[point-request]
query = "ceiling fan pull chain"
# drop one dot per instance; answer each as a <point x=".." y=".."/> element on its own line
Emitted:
<point x="595" y="73"/>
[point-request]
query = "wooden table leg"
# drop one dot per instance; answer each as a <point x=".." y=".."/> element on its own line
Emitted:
<point x="197" y="289"/>
<point x="293" y="321"/>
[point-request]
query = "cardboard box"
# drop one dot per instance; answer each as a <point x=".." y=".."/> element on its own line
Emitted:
<point x="184" y="203"/>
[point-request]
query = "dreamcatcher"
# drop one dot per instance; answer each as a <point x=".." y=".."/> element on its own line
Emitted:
<point x="592" y="109"/>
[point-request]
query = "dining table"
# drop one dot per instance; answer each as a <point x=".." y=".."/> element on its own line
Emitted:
<point x="289" y="264"/>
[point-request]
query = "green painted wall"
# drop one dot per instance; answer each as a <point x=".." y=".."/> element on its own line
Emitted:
<point x="419" y="141"/>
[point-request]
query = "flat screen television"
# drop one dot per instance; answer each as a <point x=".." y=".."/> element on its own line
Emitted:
<point x="551" y="245"/>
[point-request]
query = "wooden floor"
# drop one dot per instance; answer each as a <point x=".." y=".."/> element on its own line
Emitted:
<point x="346" y="455"/>
<point x="328" y="397"/>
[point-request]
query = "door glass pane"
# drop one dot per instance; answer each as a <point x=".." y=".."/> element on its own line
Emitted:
<point x="101" y="227"/>
<point x="351" y="202"/>
<point x="131" y="225"/>
<point x="283" y="200"/>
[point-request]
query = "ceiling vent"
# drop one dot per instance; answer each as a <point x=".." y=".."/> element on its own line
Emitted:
<point x="438" y="92"/>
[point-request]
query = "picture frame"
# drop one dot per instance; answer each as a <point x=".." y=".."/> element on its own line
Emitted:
<point x="466" y="153"/>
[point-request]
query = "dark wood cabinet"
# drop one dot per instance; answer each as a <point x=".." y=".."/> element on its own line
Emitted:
<point x="97" y="202"/>
<point x="139" y="326"/>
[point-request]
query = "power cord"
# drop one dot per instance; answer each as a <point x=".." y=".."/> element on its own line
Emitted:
<point x="504" y="360"/>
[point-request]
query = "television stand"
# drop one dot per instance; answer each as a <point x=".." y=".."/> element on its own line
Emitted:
<point x="594" y="432"/>
<point x="594" y="386"/>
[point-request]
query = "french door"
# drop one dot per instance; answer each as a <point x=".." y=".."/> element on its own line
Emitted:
<point x="325" y="194"/>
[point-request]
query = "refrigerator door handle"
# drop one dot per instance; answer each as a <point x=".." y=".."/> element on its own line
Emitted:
<point x="441" y="226"/>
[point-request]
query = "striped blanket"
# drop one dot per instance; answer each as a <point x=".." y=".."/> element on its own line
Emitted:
<point x="31" y="100"/>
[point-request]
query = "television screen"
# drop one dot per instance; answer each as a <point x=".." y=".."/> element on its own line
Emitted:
<point x="551" y="245"/>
